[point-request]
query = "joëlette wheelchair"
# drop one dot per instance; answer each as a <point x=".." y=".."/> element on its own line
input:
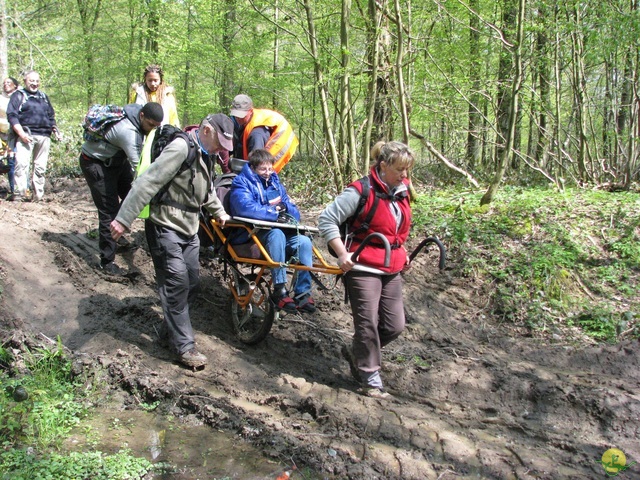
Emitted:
<point x="247" y="266"/>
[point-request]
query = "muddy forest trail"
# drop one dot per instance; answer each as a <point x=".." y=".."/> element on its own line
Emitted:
<point x="470" y="398"/>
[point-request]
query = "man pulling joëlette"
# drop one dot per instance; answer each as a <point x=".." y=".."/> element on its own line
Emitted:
<point x="172" y="227"/>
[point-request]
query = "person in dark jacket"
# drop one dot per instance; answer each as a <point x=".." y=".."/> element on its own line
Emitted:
<point x="375" y="291"/>
<point x="108" y="166"/>
<point x="258" y="194"/>
<point x="32" y="120"/>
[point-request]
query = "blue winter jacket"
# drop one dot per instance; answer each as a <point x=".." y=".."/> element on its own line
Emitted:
<point x="252" y="197"/>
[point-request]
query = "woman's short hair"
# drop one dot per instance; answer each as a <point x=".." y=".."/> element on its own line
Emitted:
<point x="14" y="81"/>
<point x="260" y="156"/>
<point x="393" y="153"/>
<point x="153" y="111"/>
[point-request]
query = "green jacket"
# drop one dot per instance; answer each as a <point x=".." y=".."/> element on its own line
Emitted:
<point x="163" y="171"/>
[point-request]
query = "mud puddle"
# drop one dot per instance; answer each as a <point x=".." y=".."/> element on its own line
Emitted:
<point x="181" y="448"/>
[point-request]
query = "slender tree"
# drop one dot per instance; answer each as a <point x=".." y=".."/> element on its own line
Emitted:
<point x="505" y="143"/>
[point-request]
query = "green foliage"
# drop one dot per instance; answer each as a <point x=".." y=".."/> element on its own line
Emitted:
<point x="549" y="256"/>
<point x="23" y="464"/>
<point x="305" y="179"/>
<point x="38" y="408"/>
<point x="599" y="323"/>
<point x="50" y="409"/>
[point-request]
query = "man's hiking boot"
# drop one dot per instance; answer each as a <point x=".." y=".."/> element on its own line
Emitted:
<point x="192" y="359"/>
<point x="347" y="353"/>
<point x="306" y="304"/>
<point x="112" y="269"/>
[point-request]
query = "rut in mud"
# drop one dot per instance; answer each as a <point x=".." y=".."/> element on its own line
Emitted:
<point x="472" y="398"/>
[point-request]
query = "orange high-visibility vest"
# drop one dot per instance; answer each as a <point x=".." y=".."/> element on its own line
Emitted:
<point x="282" y="143"/>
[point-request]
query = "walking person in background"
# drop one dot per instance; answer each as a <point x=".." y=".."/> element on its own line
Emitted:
<point x="154" y="89"/>
<point x="375" y="291"/>
<point x="108" y="166"/>
<point x="9" y="86"/>
<point x="33" y="121"/>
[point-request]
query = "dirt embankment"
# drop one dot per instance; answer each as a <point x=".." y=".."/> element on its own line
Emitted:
<point x="471" y="399"/>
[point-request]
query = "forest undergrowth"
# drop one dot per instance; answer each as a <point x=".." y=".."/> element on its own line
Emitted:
<point x="550" y="262"/>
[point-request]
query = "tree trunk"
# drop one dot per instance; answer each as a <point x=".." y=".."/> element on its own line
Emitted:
<point x="503" y="151"/>
<point x="543" y="75"/>
<point x="229" y="22"/>
<point x="153" y="28"/>
<point x="402" y="99"/>
<point x="579" y="84"/>
<point x="324" y="97"/>
<point x="373" y="33"/>
<point x="89" y="14"/>
<point x="4" y="58"/>
<point x="349" y="150"/>
<point x="276" y="52"/>
<point x="474" y="147"/>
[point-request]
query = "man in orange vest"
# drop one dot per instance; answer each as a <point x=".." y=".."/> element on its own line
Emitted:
<point x="261" y="128"/>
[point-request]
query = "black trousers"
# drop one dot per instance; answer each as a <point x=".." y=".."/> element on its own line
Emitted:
<point x="108" y="185"/>
<point x="176" y="261"/>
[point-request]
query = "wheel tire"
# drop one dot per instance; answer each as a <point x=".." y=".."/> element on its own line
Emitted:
<point x="252" y="324"/>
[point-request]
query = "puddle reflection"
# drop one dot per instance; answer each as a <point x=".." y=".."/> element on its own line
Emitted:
<point x="186" y="451"/>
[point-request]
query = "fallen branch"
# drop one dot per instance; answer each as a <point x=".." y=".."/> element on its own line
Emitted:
<point x="444" y="160"/>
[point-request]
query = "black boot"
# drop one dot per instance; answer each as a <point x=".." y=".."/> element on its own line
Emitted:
<point x="281" y="299"/>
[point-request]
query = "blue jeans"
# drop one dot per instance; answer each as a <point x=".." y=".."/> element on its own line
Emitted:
<point x="283" y="246"/>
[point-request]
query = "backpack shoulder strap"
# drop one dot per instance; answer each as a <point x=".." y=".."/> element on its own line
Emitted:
<point x="365" y="182"/>
<point x="188" y="164"/>
<point x="24" y="98"/>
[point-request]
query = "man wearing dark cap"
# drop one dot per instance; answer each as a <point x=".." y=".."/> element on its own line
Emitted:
<point x="108" y="164"/>
<point x="172" y="226"/>
<point x="261" y="128"/>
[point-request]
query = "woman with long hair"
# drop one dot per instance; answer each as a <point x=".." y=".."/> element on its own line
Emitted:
<point x="154" y="89"/>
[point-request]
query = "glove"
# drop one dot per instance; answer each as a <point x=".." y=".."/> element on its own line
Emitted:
<point x="281" y="207"/>
<point x="284" y="218"/>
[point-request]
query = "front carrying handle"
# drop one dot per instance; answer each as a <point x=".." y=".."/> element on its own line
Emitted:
<point x="368" y="238"/>
<point x="425" y="242"/>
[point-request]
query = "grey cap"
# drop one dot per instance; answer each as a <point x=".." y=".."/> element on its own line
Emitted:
<point x="224" y="129"/>
<point x="241" y="105"/>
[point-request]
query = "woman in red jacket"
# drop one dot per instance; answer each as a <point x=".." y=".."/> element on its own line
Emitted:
<point x="375" y="291"/>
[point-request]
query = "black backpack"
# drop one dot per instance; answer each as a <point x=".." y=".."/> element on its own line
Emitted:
<point x="164" y="136"/>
